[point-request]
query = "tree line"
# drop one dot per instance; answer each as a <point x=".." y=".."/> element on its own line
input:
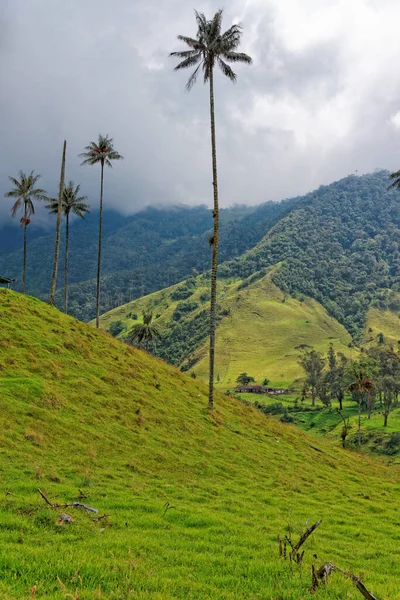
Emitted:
<point x="372" y="381"/>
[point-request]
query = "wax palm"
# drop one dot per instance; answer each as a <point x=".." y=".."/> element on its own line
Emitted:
<point x="102" y="153"/>
<point x="146" y="332"/>
<point x="75" y="204"/>
<point x="211" y="47"/>
<point x="362" y="386"/>
<point x="25" y="192"/>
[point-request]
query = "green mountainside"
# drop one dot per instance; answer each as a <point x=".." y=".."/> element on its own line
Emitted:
<point x="147" y="251"/>
<point x="195" y="500"/>
<point x="260" y="330"/>
<point x="326" y="272"/>
<point x="339" y="245"/>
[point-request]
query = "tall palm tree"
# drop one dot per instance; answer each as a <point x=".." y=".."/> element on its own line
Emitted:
<point x="212" y="48"/>
<point x="75" y="204"/>
<point x="102" y="152"/>
<point x="362" y="386"/>
<point x="145" y="332"/>
<point x="58" y="227"/>
<point x="25" y="192"/>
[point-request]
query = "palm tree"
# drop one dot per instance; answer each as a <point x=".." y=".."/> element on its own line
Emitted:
<point x="361" y="386"/>
<point x="58" y="227"/>
<point x="71" y="203"/>
<point x="24" y="191"/>
<point x="101" y="152"/>
<point x="208" y="49"/>
<point x="145" y="332"/>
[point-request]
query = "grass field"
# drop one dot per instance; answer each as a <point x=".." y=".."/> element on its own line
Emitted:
<point x="195" y="500"/>
<point x="262" y="334"/>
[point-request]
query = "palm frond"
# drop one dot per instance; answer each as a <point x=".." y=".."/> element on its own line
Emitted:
<point x="227" y="71"/>
<point x="192" y="79"/>
<point x="184" y="53"/>
<point x="195" y="44"/>
<point x="215" y="26"/>
<point x="201" y="21"/>
<point x="238" y="57"/>
<point x="16" y="206"/>
<point x="188" y="62"/>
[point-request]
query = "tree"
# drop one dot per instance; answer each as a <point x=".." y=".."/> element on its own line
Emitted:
<point x="115" y="328"/>
<point x="58" y="227"/>
<point x="25" y="192"/>
<point x="146" y="332"/>
<point x="266" y="381"/>
<point x="102" y="152"/>
<point x="336" y="375"/>
<point x="360" y="386"/>
<point x="244" y="379"/>
<point x="345" y="429"/>
<point x="211" y="47"/>
<point x="75" y="204"/>
<point x="313" y="364"/>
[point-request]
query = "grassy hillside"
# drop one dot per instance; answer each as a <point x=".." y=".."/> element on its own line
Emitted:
<point x="261" y="331"/>
<point x="195" y="500"/>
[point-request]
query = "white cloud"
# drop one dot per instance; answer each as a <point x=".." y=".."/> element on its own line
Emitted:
<point x="320" y="101"/>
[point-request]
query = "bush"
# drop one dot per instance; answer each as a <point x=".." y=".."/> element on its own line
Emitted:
<point x="115" y="328"/>
<point x="392" y="446"/>
<point x="276" y="408"/>
<point x="287" y="418"/>
<point x="182" y="309"/>
<point x="205" y="297"/>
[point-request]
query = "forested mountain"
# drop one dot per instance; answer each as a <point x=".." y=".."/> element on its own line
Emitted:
<point x="142" y="253"/>
<point x="340" y="245"/>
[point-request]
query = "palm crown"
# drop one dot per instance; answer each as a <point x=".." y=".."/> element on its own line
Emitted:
<point x="25" y="191"/>
<point x="101" y="152"/>
<point x="145" y="332"/>
<point x="210" y="48"/>
<point x="71" y="202"/>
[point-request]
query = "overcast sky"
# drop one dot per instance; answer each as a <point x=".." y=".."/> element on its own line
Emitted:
<point x="321" y="101"/>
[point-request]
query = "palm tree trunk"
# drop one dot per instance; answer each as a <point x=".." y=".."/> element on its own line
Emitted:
<point x="214" y="262"/>
<point x="24" y="262"/>
<point x="99" y="250"/>
<point x="66" y="263"/>
<point x="58" y="227"/>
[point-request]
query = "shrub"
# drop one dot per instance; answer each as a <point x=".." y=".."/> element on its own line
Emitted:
<point x="287" y="418"/>
<point x="276" y="408"/>
<point x="115" y="328"/>
<point x="182" y="309"/>
<point x="392" y="445"/>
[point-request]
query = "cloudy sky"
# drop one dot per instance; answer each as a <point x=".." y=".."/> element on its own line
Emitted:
<point x="322" y="99"/>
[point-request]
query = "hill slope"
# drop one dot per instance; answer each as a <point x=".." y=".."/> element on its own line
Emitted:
<point x="147" y="251"/>
<point x="339" y="245"/>
<point x="261" y="331"/>
<point x="195" y="500"/>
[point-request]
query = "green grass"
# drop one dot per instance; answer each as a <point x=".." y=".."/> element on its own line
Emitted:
<point x="79" y="410"/>
<point x="261" y="334"/>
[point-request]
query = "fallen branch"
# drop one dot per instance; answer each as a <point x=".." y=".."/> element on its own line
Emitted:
<point x="73" y="505"/>
<point x="303" y="537"/>
<point x="326" y="570"/>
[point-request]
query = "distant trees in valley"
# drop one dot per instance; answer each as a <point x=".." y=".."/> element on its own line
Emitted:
<point x="371" y="381"/>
